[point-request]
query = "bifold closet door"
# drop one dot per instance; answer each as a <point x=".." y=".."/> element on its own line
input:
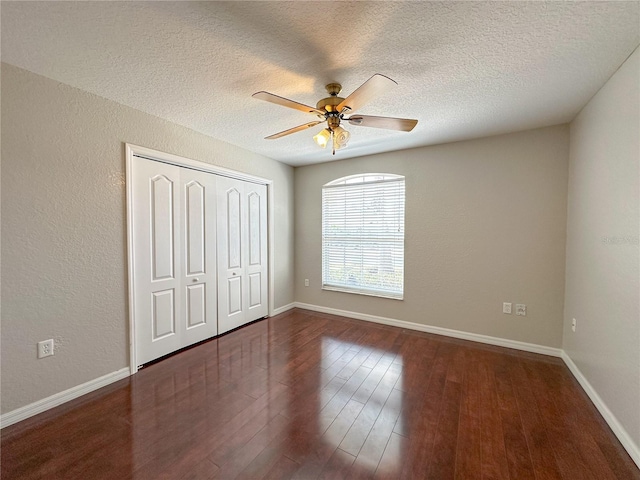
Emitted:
<point x="242" y="252"/>
<point x="174" y="245"/>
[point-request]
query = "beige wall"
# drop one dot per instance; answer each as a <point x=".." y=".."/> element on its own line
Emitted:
<point x="603" y="277"/>
<point x="63" y="228"/>
<point x="485" y="224"/>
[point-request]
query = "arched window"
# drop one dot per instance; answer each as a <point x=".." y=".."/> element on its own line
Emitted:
<point x="363" y="235"/>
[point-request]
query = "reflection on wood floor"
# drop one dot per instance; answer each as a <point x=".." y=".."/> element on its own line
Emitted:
<point x="307" y="395"/>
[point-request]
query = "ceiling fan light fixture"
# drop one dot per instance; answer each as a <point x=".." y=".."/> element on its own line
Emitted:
<point x="323" y="137"/>
<point x="340" y="137"/>
<point x="332" y="110"/>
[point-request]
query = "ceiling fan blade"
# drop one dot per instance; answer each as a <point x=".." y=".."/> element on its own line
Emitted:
<point x="285" y="102"/>
<point x="366" y="92"/>
<point x="299" y="128"/>
<point x="403" y="124"/>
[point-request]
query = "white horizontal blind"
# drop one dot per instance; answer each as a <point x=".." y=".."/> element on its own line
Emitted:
<point x="363" y="235"/>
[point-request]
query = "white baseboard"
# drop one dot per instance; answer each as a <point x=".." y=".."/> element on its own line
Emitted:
<point x="619" y="431"/>
<point x="279" y="310"/>
<point x="40" y="406"/>
<point x="474" y="337"/>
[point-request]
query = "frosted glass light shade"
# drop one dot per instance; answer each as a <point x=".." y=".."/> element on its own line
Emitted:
<point x="340" y="137"/>
<point x="322" y="138"/>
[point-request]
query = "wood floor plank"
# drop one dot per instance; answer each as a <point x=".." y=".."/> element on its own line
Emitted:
<point x="333" y="408"/>
<point x="204" y="470"/>
<point x="592" y="426"/>
<point x="425" y="423"/>
<point x="338" y="466"/>
<point x="542" y="454"/>
<point x="443" y="452"/>
<point x="239" y="458"/>
<point x="574" y="408"/>
<point x="202" y="445"/>
<point x="233" y="443"/>
<point x="376" y="442"/>
<point x="414" y="361"/>
<point x="567" y="455"/>
<point x="515" y="441"/>
<point x="391" y="463"/>
<point x="371" y="382"/>
<point x="155" y="455"/>
<point x="282" y="469"/>
<point x="468" y="461"/>
<point x="493" y="451"/>
<point x="308" y="432"/>
<point x="313" y="463"/>
<point x="343" y="422"/>
<point x="264" y="462"/>
<point x="357" y="434"/>
<point x="307" y="395"/>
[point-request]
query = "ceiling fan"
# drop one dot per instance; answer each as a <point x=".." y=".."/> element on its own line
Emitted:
<point x="333" y="109"/>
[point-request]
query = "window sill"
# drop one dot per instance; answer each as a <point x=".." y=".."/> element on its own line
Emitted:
<point x="369" y="293"/>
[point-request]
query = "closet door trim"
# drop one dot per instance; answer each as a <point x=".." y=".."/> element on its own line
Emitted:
<point x="133" y="151"/>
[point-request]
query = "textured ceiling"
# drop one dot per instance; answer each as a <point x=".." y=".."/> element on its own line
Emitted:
<point x="464" y="69"/>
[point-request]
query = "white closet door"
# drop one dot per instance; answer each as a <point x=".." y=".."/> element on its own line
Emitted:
<point x="175" y="258"/>
<point x="157" y="266"/>
<point x="242" y="239"/>
<point x="199" y="256"/>
<point x="256" y="266"/>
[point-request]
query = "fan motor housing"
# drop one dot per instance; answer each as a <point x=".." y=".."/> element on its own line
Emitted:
<point x="329" y="104"/>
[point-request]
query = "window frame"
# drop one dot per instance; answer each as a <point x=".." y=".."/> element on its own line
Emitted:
<point x="351" y="181"/>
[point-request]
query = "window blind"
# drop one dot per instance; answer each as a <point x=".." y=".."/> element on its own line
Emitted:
<point x="363" y="235"/>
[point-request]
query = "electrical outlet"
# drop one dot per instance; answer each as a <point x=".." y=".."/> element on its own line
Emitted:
<point x="506" y="308"/>
<point x="574" y="324"/>
<point x="521" y="309"/>
<point x="45" y="348"/>
<point x="306" y="282"/>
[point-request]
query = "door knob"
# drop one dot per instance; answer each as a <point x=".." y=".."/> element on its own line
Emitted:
<point x="234" y="273"/>
<point x="195" y="279"/>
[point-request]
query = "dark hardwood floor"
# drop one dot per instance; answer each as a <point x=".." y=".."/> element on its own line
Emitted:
<point x="306" y="395"/>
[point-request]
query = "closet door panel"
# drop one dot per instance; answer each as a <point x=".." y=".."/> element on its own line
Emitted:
<point x="234" y="228"/>
<point x="196" y="305"/>
<point x="195" y="228"/>
<point x="235" y="295"/>
<point x="162" y="227"/>
<point x="255" y="228"/>
<point x="255" y="290"/>
<point x="256" y="268"/>
<point x="232" y="233"/>
<point x="156" y="243"/>
<point x="163" y="311"/>
<point x="199" y="319"/>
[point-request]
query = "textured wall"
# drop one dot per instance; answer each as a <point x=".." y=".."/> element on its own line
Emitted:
<point x="64" y="228"/>
<point x="485" y="224"/>
<point x="603" y="277"/>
